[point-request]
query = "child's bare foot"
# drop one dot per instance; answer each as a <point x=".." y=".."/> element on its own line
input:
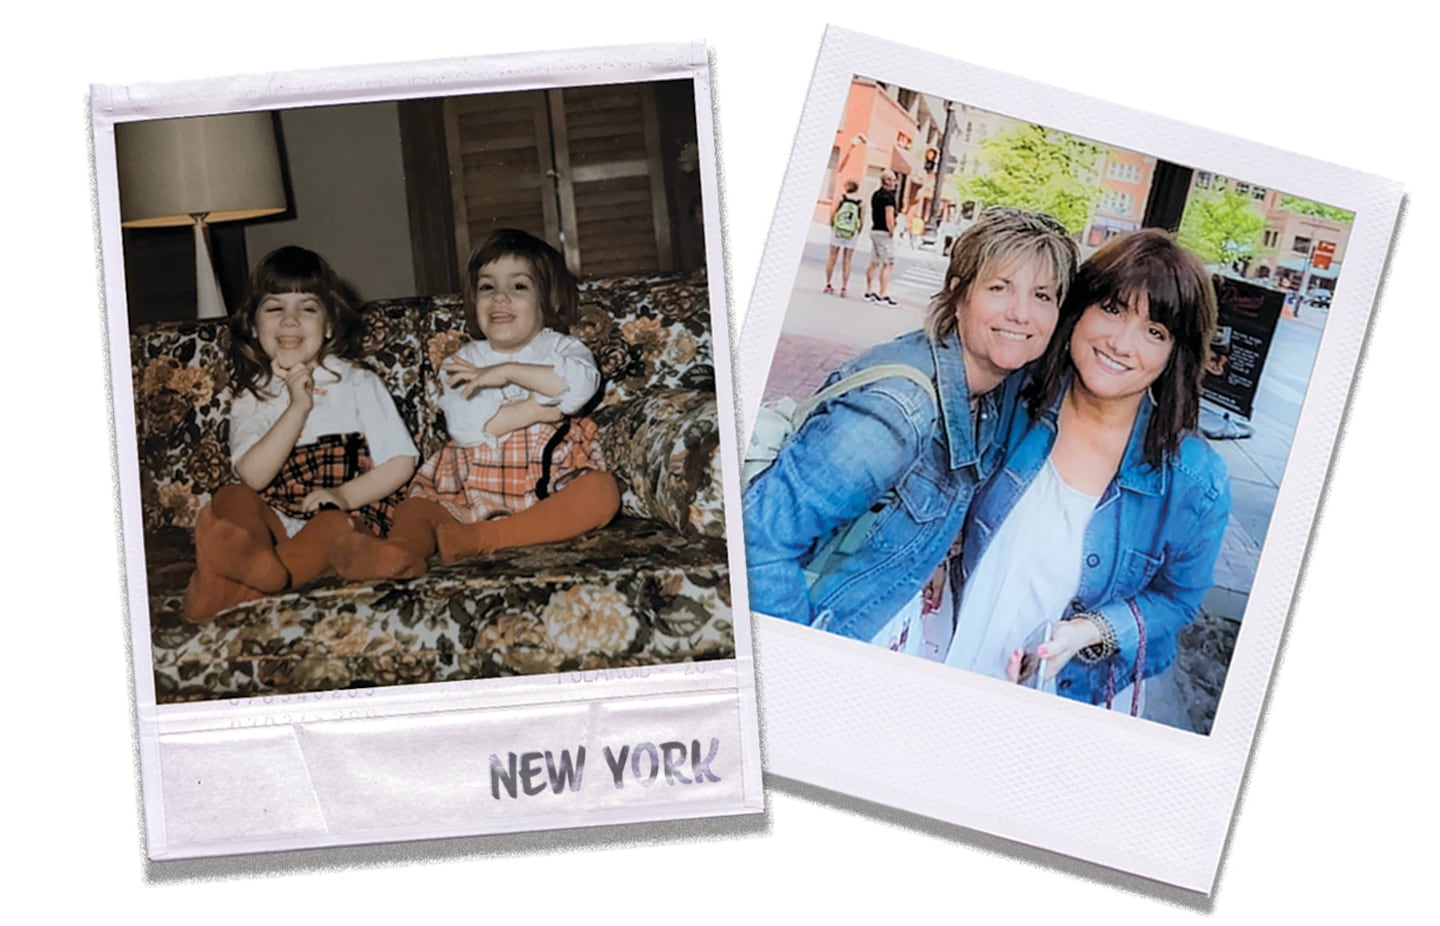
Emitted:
<point x="359" y="557"/>
<point x="457" y="541"/>
<point x="209" y="594"/>
<point x="225" y="550"/>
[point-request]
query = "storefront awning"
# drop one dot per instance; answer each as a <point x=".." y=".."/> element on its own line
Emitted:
<point x="1297" y="265"/>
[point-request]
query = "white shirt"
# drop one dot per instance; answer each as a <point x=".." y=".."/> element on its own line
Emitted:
<point x="568" y="356"/>
<point x="1027" y="577"/>
<point x="347" y="399"/>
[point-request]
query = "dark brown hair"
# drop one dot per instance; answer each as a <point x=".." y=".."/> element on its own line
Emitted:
<point x="292" y="269"/>
<point x="1181" y="297"/>
<point x="555" y="286"/>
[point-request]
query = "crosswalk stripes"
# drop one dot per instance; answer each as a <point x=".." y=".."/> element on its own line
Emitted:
<point x="923" y="276"/>
<point x="915" y="284"/>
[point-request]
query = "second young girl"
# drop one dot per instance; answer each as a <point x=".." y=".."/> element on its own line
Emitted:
<point x="503" y="395"/>
<point x="315" y="440"/>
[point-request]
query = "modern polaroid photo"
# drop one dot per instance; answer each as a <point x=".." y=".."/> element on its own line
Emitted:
<point x="1039" y="396"/>
<point x="424" y="428"/>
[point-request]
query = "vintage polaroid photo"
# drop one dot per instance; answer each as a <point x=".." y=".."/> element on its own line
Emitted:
<point x="424" y="424"/>
<point x="1039" y="396"/>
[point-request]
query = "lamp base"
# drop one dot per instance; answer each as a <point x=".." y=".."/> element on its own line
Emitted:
<point x="209" y="302"/>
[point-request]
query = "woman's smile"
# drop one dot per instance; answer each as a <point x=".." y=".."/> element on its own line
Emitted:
<point x="1117" y="349"/>
<point x="1110" y="364"/>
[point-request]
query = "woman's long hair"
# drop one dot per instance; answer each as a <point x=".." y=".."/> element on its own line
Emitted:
<point x="1181" y="297"/>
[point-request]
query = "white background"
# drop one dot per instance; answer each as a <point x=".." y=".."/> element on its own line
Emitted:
<point x="1338" y="812"/>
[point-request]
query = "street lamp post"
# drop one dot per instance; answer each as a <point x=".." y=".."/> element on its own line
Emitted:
<point x="935" y="205"/>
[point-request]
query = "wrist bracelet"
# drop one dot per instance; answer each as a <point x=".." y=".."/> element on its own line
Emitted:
<point x="1107" y="647"/>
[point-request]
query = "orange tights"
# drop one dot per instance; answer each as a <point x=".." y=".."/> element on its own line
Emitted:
<point x="242" y="553"/>
<point x="422" y="527"/>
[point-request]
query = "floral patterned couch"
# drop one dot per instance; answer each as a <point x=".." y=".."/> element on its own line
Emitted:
<point x="653" y="587"/>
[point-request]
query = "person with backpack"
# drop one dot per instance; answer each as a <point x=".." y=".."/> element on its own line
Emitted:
<point x="846" y="220"/>
<point x="878" y="479"/>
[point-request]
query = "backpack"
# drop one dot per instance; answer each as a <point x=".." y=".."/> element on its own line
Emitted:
<point x="778" y="421"/>
<point x="847" y="218"/>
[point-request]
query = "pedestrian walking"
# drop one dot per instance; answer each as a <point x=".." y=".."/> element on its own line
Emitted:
<point x="882" y="241"/>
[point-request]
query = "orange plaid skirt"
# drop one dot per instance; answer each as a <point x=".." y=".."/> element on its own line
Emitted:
<point x="475" y="483"/>
<point x="330" y="462"/>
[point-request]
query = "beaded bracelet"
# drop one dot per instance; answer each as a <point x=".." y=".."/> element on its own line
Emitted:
<point x="1107" y="647"/>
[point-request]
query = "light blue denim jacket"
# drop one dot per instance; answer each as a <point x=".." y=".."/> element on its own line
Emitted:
<point x="884" y="447"/>
<point x="1153" y="539"/>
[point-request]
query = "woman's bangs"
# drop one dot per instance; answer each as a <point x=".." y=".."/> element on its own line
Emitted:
<point x="1163" y="290"/>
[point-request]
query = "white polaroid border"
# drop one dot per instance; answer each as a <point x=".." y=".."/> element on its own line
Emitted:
<point x="409" y="762"/>
<point x="926" y="738"/>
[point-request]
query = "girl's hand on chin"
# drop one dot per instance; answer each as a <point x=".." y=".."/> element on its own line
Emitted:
<point x="299" y="380"/>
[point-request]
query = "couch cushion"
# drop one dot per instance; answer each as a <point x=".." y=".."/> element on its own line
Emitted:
<point x="664" y="449"/>
<point x="628" y="595"/>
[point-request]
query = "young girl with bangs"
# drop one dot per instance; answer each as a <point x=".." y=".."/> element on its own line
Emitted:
<point x="315" y="440"/>
<point x="506" y="478"/>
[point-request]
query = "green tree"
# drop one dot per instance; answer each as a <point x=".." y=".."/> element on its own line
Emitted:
<point x="1309" y="207"/>
<point x="1221" y="227"/>
<point x="1032" y="167"/>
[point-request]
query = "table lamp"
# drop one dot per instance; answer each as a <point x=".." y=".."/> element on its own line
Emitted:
<point x="195" y="171"/>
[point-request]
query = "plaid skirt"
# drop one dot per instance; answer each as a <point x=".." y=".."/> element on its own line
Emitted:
<point x="480" y="482"/>
<point x="332" y="461"/>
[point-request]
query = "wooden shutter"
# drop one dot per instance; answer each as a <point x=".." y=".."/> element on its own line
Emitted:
<point x="613" y="205"/>
<point x="583" y="167"/>
<point x="501" y="168"/>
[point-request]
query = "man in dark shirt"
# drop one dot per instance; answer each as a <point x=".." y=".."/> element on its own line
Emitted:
<point x="882" y="241"/>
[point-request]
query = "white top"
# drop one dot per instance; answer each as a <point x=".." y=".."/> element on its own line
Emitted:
<point x="1027" y="576"/>
<point x="568" y="356"/>
<point x="348" y="398"/>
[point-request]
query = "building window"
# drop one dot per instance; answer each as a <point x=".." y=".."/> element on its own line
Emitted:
<point x="1117" y="203"/>
<point x="1128" y="173"/>
<point x="1301" y="245"/>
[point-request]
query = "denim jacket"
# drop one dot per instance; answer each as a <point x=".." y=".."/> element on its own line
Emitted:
<point x="1153" y="539"/>
<point x="885" y="448"/>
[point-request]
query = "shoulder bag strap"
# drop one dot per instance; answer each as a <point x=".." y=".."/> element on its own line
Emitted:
<point x="863" y="378"/>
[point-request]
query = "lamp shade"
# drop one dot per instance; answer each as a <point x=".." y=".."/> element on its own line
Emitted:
<point x="220" y="167"/>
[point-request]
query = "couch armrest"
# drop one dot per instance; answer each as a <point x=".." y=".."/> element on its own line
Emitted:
<point x="664" y="449"/>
